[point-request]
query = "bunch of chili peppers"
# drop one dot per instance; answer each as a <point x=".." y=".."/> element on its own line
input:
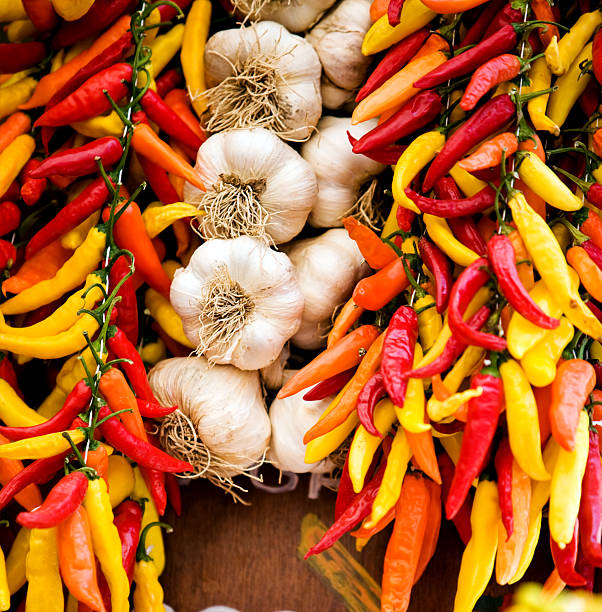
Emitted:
<point x="475" y="344"/>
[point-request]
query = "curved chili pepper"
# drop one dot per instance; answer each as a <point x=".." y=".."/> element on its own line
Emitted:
<point x="168" y="80"/>
<point x="398" y="352"/>
<point x="461" y="519"/>
<point x="590" y="510"/>
<point x="328" y="387"/>
<point x="498" y="70"/>
<point x="158" y="180"/>
<point x="481" y="424"/>
<point x="10" y="217"/>
<point x="152" y="409"/>
<point x="142" y="452"/>
<point x="374" y="390"/>
<point x="501" y="260"/>
<point x="388" y="155"/>
<point x="127" y="313"/>
<point x="468" y="283"/>
<point x="64" y="498"/>
<point x="414" y="114"/>
<point x="15" y="57"/>
<point x="77" y="401"/>
<point x="31" y="189"/>
<point x="90" y="98"/>
<point x="454" y="208"/>
<point x="377" y="253"/>
<point x="436" y="261"/>
<point x="503" y="469"/>
<point x="404" y="217"/>
<point x="565" y="559"/>
<point x="488" y="156"/>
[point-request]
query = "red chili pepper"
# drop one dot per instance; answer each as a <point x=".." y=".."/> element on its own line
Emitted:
<point x="7" y="373"/>
<point x="128" y="520"/>
<point x="101" y="14"/>
<point x="329" y="386"/>
<point x="506" y="16"/>
<point x="461" y="519"/>
<point x="488" y="119"/>
<point x="152" y="409"/>
<point x="590" y="510"/>
<point x="167" y="81"/>
<point x="592" y="190"/>
<point x="394" y="12"/>
<point x="31" y="189"/>
<point x="468" y="283"/>
<point x="597" y="56"/>
<point x="594" y="252"/>
<point x="127" y="314"/>
<point x="477" y="30"/>
<point x="77" y="401"/>
<point x="144" y="453"/>
<point x="90" y="99"/>
<point x="374" y="390"/>
<point x="8" y="254"/>
<point x="586" y="570"/>
<point x="10" y="217"/>
<point x="12" y="193"/>
<point x="502" y="261"/>
<point x="168" y="121"/>
<point x="398" y="352"/>
<point x="345" y="492"/>
<point x="481" y="424"/>
<point x="503" y="468"/>
<point x="174" y="495"/>
<point x="64" y="499"/>
<point x="15" y="57"/>
<point x="158" y="180"/>
<point x="565" y="559"/>
<point x="72" y="214"/>
<point x="41" y="14"/>
<point x="454" y="208"/>
<point x="168" y="12"/>
<point x="388" y="155"/>
<point x="155" y="480"/>
<point x="589" y="100"/>
<point x="393" y="61"/>
<point x="405" y="217"/>
<point x="81" y="160"/>
<point x="414" y="114"/>
<point x="436" y="261"/>
<point x="498" y="70"/>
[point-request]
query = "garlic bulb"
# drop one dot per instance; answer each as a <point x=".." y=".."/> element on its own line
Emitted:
<point x="239" y="301"/>
<point x="334" y="97"/>
<point x="290" y="419"/>
<point x="294" y="15"/>
<point x="256" y="184"/>
<point x="337" y="39"/>
<point x="339" y="170"/>
<point x="262" y="76"/>
<point x="327" y="269"/>
<point x="272" y="376"/>
<point x="221" y="425"/>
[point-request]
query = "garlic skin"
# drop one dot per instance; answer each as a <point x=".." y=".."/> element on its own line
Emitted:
<point x="225" y="405"/>
<point x="239" y="302"/>
<point x="294" y="15"/>
<point x="256" y="185"/>
<point x="340" y="172"/>
<point x="337" y="38"/>
<point x="327" y="269"/>
<point x="262" y="76"/>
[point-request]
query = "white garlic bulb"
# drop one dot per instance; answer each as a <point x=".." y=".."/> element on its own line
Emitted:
<point x="294" y="15"/>
<point x="256" y="185"/>
<point x="337" y="38"/>
<point x="327" y="268"/>
<point x="339" y="170"/>
<point x="239" y="302"/>
<point x="221" y="425"/>
<point x="272" y="376"/>
<point x="262" y="76"/>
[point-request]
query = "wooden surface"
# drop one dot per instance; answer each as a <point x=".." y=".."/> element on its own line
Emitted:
<point x="244" y="557"/>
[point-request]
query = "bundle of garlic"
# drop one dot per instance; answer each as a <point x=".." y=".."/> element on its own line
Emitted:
<point x="340" y="172"/>
<point x="239" y="302"/>
<point x="337" y="39"/>
<point x="256" y="185"/>
<point x="262" y="76"/>
<point x="221" y="425"/>
<point x="294" y="15"/>
<point x="327" y="268"/>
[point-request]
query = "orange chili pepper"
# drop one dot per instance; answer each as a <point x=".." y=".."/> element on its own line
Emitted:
<point x="440" y="391"/>
<point x="489" y="154"/>
<point x="99" y="460"/>
<point x="553" y="586"/>
<point x="30" y="497"/>
<point x="376" y="253"/>
<point x="177" y="100"/>
<point x="183" y="233"/>
<point x="435" y="42"/>
<point x="543" y="12"/>
<point x="431" y="535"/>
<point x="347" y="317"/>
<point x="597" y="142"/>
<point x="525" y="268"/>
<point x="378" y="8"/>
<point x="15" y="125"/>
<point x="374" y="292"/>
<point x="575" y="380"/>
<point x="343" y="355"/>
<point x="366" y="369"/>
<point x="423" y="451"/>
<point x="588" y="271"/>
<point x="119" y="396"/>
<point x="592" y="227"/>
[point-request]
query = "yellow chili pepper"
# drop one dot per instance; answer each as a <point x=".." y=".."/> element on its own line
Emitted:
<point x="364" y="445"/>
<point x="148" y="596"/>
<point x="101" y="126"/>
<point x="106" y="542"/>
<point x="457" y="113"/>
<point x="159" y="217"/>
<point x="562" y="235"/>
<point x="16" y="560"/>
<point x="10" y="10"/>
<point x="4" y="590"/>
<point x="390" y="488"/>
<point x="20" y="30"/>
<point x="464" y="366"/>
<point x="442" y="409"/>
<point x="539" y="362"/>
<point x="121" y="479"/>
<point x="561" y="54"/>
<point x="71" y="275"/>
<point x="73" y="371"/>
<point x="14" y="412"/>
<point x="541" y="78"/>
<point x="442" y="236"/>
<point x="523" y="421"/>
<point x="469" y="185"/>
<point x="411" y="414"/>
<point x="74" y="238"/>
<point x="414" y="15"/>
<point x="430" y="323"/>
<point x="452" y="445"/>
<point x="570" y="86"/>
<point x="153" y="352"/>
<point x="53" y="403"/>
<point x="595" y="351"/>
<point x="45" y="587"/>
<point x="15" y="94"/>
<point x="164" y="314"/>
<point x="15" y="156"/>
<point x="41" y="447"/>
<point x="565" y="489"/>
<point x="70" y="10"/>
<point x="419" y="153"/>
<point x="479" y="555"/>
<point x="164" y="49"/>
<point x="545" y="183"/>
<point x="551" y="265"/>
<point x="193" y="50"/>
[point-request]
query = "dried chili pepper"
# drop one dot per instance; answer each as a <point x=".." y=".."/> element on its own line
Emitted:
<point x="454" y="208"/>
<point x="15" y="57"/>
<point x="565" y="559"/>
<point x="435" y="260"/>
<point x="590" y="510"/>
<point x="503" y="469"/>
<point x="329" y="386"/>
